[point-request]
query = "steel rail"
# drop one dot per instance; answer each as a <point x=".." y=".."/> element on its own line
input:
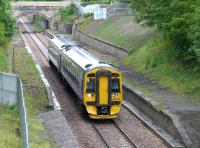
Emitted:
<point x="100" y="135"/>
<point x="33" y="32"/>
<point x="125" y="135"/>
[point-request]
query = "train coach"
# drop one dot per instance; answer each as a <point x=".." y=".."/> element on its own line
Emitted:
<point x="97" y="85"/>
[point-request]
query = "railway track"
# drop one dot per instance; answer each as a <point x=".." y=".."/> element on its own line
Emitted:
<point x="106" y="130"/>
<point x="110" y="133"/>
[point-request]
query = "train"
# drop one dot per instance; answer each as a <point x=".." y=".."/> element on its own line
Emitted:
<point x="98" y="85"/>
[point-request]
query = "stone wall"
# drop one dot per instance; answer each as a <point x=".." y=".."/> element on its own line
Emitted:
<point x="65" y="28"/>
<point x="101" y="45"/>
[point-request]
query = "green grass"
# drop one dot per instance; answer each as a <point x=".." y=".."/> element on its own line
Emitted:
<point x="122" y="31"/>
<point x="3" y="59"/>
<point x="35" y="97"/>
<point x="9" y="127"/>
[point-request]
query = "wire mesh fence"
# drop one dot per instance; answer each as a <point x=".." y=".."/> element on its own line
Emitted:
<point x="119" y="8"/>
<point x="11" y="93"/>
<point x="104" y="11"/>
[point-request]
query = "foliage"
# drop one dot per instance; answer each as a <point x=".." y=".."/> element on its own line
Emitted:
<point x="6" y="20"/>
<point x="179" y="21"/>
<point x="68" y="13"/>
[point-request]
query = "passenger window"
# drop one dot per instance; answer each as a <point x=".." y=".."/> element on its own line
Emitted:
<point x="115" y="85"/>
<point x="90" y="88"/>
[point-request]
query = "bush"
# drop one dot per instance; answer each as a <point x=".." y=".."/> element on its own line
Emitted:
<point x="6" y="19"/>
<point x="69" y="13"/>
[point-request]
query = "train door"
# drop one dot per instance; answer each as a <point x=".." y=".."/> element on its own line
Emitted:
<point x="103" y="97"/>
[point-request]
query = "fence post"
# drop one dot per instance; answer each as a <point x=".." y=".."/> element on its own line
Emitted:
<point x="13" y="65"/>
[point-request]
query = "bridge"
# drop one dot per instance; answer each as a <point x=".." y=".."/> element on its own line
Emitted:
<point x="49" y="10"/>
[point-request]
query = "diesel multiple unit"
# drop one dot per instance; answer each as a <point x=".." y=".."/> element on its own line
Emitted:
<point x="97" y="85"/>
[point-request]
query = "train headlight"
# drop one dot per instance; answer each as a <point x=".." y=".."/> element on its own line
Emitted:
<point x="115" y="94"/>
<point x="90" y="95"/>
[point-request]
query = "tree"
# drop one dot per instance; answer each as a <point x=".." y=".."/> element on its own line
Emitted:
<point x="6" y="18"/>
<point x="178" y="20"/>
<point x="69" y="13"/>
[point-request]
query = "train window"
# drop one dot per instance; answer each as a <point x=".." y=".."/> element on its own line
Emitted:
<point x="115" y="75"/>
<point x="90" y="88"/>
<point x="115" y="85"/>
<point x="91" y="75"/>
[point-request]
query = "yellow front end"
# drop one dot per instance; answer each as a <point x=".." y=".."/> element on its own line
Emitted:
<point x="103" y="93"/>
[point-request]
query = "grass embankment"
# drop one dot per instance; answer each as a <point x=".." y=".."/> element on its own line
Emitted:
<point x="35" y="96"/>
<point x="149" y="53"/>
<point x="122" y="31"/>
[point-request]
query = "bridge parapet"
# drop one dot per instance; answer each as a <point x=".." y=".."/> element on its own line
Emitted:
<point x="40" y="4"/>
<point x="47" y="9"/>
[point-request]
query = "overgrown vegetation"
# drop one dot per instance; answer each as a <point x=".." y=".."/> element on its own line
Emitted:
<point x="35" y="96"/>
<point x="6" y="31"/>
<point x="6" y="22"/>
<point x="9" y="127"/>
<point x="179" y="21"/>
<point x="69" y="13"/>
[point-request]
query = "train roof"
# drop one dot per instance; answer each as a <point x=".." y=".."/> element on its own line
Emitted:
<point x="78" y="54"/>
<point x="62" y="41"/>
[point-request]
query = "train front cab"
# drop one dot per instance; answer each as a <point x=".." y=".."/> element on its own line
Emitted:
<point x="103" y="93"/>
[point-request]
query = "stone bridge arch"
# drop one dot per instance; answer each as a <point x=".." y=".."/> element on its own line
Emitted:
<point x="24" y="13"/>
<point x="51" y="18"/>
<point x="49" y="10"/>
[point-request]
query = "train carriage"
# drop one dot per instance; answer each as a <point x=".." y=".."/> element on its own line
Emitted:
<point x="98" y="85"/>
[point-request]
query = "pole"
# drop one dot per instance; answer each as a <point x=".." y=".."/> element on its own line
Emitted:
<point x="13" y="66"/>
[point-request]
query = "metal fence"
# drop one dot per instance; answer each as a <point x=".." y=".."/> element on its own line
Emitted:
<point x="11" y="93"/>
<point x="104" y="11"/>
<point x="119" y="8"/>
<point x="8" y="89"/>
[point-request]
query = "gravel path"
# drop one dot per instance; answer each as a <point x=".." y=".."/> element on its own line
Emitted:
<point x="58" y="129"/>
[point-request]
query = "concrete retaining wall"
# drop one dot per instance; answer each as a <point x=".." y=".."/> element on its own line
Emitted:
<point x="103" y="46"/>
<point x="161" y="118"/>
